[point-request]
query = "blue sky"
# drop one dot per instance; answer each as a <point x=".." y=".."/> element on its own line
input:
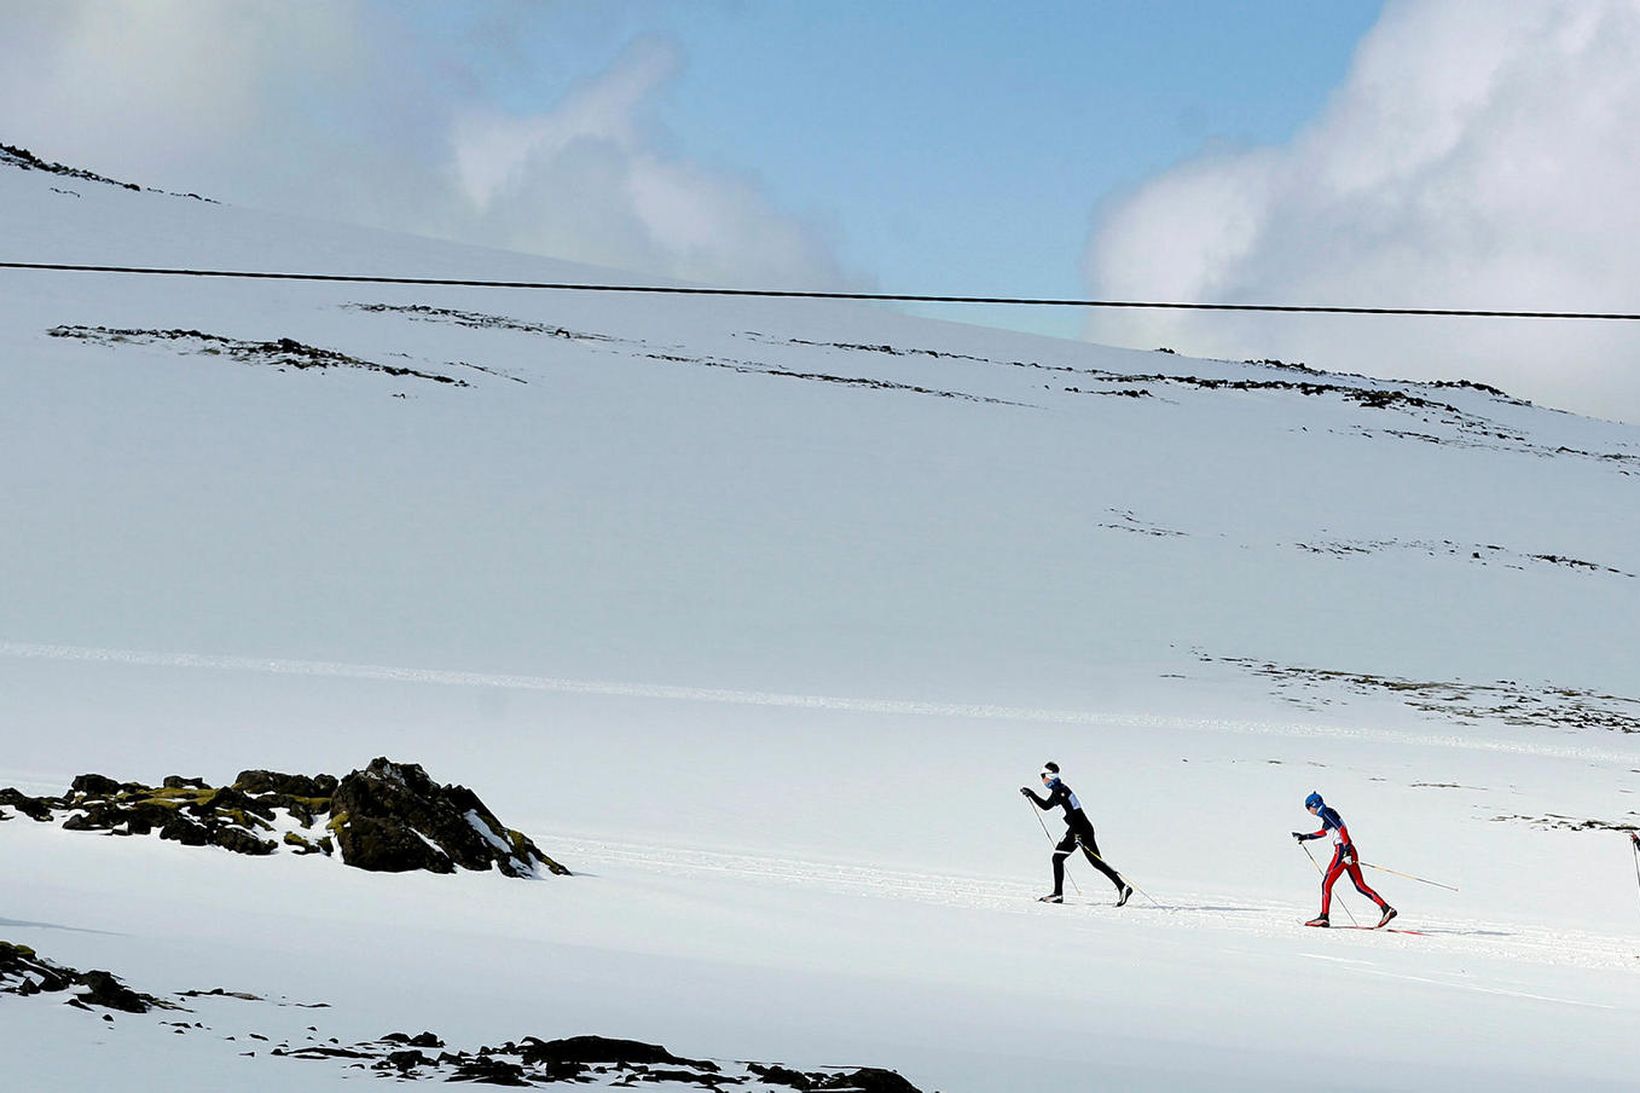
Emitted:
<point x="955" y="146"/>
<point x="1418" y="152"/>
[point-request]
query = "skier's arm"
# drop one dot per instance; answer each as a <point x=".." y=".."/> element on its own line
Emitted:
<point x="1303" y="836"/>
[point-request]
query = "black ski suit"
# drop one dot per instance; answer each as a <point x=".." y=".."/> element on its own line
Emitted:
<point x="1078" y="832"/>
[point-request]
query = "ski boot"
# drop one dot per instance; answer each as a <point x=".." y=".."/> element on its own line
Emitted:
<point x="1127" y="890"/>
<point x="1389" y="913"/>
<point x="1318" y="920"/>
<point x="1051" y="897"/>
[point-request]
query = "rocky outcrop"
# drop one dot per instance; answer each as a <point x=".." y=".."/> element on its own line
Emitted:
<point x="389" y="818"/>
<point x="598" y="1061"/>
<point x="594" y="1060"/>
<point x="392" y="818"/>
<point x="587" y="1060"/>
<point x="23" y="972"/>
<point x="13" y="156"/>
<point x="281" y="353"/>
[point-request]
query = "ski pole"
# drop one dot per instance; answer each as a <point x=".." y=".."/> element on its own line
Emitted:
<point x="1635" y="846"/>
<point x="1408" y="876"/>
<point x="1317" y="865"/>
<point x="1126" y="879"/>
<point x="1074" y="886"/>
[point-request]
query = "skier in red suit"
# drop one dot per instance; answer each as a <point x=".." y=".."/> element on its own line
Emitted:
<point x="1344" y="860"/>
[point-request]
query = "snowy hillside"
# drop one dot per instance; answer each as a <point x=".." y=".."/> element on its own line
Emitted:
<point x="755" y="614"/>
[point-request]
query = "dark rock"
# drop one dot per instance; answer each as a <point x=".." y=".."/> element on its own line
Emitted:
<point x="35" y="808"/>
<point x="319" y="1051"/>
<point x="229" y="799"/>
<point x="661" y="1074"/>
<point x="86" y="821"/>
<point x="241" y="841"/>
<point x="183" y="830"/>
<point x="426" y="1039"/>
<point x="305" y="809"/>
<point x="108" y="992"/>
<point x="601" y="1049"/>
<point x="287" y="785"/>
<point x="386" y="815"/>
<point x="389" y="817"/>
<point x="489" y="1071"/>
<point x="868" y="1079"/>
<point x="779" y="1075"/>
<point x="219" y="992"/>
<point x="282" y="353"/>
<point x="95" y="785"/>
<point x="385" y="846"/>
<point x="403" y="1061"/>
<point x="23" y="972"/>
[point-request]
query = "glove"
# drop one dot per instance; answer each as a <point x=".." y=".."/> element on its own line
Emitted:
<point x="1026" y="791"/>
<point x="1300" y="836"/>
<point x="1347" y="855"/>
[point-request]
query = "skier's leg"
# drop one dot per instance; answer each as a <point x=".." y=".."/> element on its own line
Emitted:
<point x="1091" y="849"/>
<point x="1361" y="885"/>
<point x="1334" y="871"/>
<point x="1061" y="851"/>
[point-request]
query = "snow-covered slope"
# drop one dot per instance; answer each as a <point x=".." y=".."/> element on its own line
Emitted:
<point x="759" y="611"/>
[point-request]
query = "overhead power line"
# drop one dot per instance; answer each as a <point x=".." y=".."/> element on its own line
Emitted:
<point x="799" y="294"/>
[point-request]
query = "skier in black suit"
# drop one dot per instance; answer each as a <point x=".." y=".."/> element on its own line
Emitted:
<point x="1078" y="832"/>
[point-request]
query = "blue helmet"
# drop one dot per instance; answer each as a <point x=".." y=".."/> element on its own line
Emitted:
<point x="1313" y="801"/>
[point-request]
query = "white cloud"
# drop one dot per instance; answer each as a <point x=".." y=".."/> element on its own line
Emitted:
<point x="343" y="110"/>
<point x="1477" y="156"/>
<point x="588" y="180"/>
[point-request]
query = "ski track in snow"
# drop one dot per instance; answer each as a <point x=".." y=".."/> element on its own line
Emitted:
<point x="387" y="673"/>
<point x="1194" y="911"/>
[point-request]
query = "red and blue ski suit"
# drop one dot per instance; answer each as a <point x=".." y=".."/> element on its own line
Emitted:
<point x="1344" y="859"/>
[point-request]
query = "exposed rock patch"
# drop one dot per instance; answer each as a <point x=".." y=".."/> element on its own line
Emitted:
<point x="282" y="353"/>
<point x="593" y="1060"/>
<point x="389" y="817"/>
<point x="1503" y="701"/>
<point x="1554" y="821"/>
<point x="1444" y="422"/>
<point x="1127" y="521"/>
<point x="761" y="369"/>
<point x="1481" y="553"/>
<point x="24" y="973"/>
<point x="23" y="159"/>
<point x="476" y="320"/>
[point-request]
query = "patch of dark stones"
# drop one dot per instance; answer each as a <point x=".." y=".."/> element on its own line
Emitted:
<point x="760" y="369"/>
<point x="1127" y="521"/>
<point x="23" y="159"/>
<point x="1138" y="385"/>
<point x="1578" y="563"/>
<point x="424" y="1056"/>
<point x="389" y="817"/>
<point x="1504" y="701"/>
<point x="281" y="353"/>
<point x="586" y="1059"/>
<point x="23" y="972"/>
<point x="1553" y="821"/>
<point x="1485" y="553"/>
<point x="476" y="320"/>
